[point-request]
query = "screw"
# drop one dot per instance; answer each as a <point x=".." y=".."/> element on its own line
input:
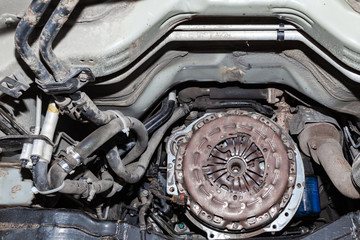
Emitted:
<point x="313" y="145"/>
<point x="144" y="193"/>
<point x="83" y="77"/>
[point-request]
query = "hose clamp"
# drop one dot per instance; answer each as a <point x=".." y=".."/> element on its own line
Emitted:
<point x="73" y="154"/>
<point x="76" y="156"/>
<point x="64" y="165"/>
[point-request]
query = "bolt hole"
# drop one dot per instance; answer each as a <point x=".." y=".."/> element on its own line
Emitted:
<point x="298" y="185"/>
<point x="212" y="235"/>
<point x="265" y="149"/>
<point x="7" y="85"/>
<point x="286" y="214"/>
<point x="235" y="197"/>
<point x="235" y="167"/>
<point x="274" y="226"/>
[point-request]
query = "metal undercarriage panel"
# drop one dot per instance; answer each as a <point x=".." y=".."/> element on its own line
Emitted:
<point x="114" y="46"/>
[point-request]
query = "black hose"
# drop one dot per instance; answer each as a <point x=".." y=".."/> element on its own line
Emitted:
<point x="84" y="188"/>
<point x="75" y="187"/>
<point x="98" y="137"/>
<point x="95" y="140"/>
<point x="57" y="174"/>
<point x="87" y="108"/>
<point x="49" y="32"/>
<point x="23" y="31"/>
<point x="142" y="213"/>
<point x="40" y="175"/>
<point x="106" y="182"/>
<point x="167" y="108"/>
<point x="135" y="171"/>
<point x="142" y="139"/>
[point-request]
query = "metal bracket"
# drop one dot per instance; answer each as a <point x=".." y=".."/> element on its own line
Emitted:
<point x="13" y="87"/>
<point x="13" y="143"/>
<point x="76" y="79"/>
<point x="308" y="115"/>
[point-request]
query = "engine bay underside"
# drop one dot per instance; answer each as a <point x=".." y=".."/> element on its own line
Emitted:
<point x="186" y="119"/>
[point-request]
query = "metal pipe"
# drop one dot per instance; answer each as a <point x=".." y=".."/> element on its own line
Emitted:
<point x="42" y="151"/>
<point x="321" y="141"/>
<point x="338" y="169"/>
<point x="297" y="36"/>
<point x="48" y="130"/>
<point x="234" y="27"/>
<point x="38" y="115"/>
<point x="51" y="29"/>
<point x="23" y="31"/>
<point x="167" y="108"/>
<point x="281" y="32"/>
<point x="27" y="148"/>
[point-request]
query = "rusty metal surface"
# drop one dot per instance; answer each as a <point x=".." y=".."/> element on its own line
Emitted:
<point x="306" y="115"/>
<point x="23" y="31"/>
<point x="238" y="169"/>
<point x="315" y="134"/>
<point x="236" y="165"/>
<point x="15" y="191"/>
<point x="322" y="141"/>
<point x="50" y="31"/>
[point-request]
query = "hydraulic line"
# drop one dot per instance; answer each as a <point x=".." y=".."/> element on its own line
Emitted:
<point x="48" y="34"/>
<point x="167" y="108"/>
<point x="23" y="31"/>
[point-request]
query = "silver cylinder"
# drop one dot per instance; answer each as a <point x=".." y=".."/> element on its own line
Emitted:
<point x="41" y="149"/>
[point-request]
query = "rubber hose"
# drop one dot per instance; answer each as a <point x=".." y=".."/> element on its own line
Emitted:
<point x="134" y="172"/>
<point x="40" y="176"/>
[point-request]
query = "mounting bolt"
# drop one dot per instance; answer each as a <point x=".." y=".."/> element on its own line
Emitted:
<point x="144" y="193"/>
<point x="83" y="77"/>
<point x="313" y="145"/>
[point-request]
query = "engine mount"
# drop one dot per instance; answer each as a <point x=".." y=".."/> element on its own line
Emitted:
<point x="242" y="173"/>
